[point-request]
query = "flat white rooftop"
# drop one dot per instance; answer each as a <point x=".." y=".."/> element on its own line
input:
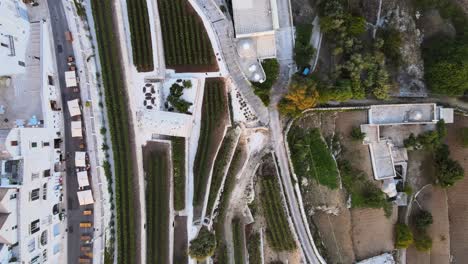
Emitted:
<point x="402" y="113"/>
<point x="382" y="161"/>
<point x="385" y="258"/>
<point x="253" y="16"/>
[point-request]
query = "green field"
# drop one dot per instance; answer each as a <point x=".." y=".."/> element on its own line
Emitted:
<point x="224" y="155"/>
<point x="118" y="119"/>
<point x="214" y="110"/>
<point x="141" y="35"/>
<point x="178" y="170"/>
<point x="238" y="239"/>
<point x="311" y="157"/>
<point x="157" y="207"/>
<point x="278" y="234"/>
<point x="186" y="42"/>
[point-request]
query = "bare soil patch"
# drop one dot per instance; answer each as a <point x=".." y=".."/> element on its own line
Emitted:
<point x="458" y="195"/>
<point x="434" y="200"/>
<point x="372" y="232"/>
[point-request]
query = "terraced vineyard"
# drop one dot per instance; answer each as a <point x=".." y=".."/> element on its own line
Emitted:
<point x="220" y="166"/>
<point x="157" y="202"/>
<point x="126" y="205"/>
<point x="278" y="234"/>
<point x="238" y="239"/>
<point x="178" y="163"/>
<point x="142" y="49"/>
<point x="186" y="43"/>
<point x="213" y="122"/>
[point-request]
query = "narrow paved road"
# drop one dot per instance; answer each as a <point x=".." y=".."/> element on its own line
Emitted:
<point x="63" y="49"/>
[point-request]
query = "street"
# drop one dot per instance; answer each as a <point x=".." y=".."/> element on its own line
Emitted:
<point x="74" y="212"/>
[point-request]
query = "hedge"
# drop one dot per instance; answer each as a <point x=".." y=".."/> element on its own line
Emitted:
<point x="238" y="240"/>
<point x="178" y="170"/>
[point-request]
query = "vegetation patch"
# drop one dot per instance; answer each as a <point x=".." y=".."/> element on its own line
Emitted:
<point x="463" y="135"/>
<point x="214" y="110"/>
<point x="157" y="206"/>
<point x="262" y="90"/>
<point x="303" y="51"/>
<point x="185" y="40"/>
<point x="119" y="130"/>
<point x="311" y="157"/>
<point x="220" y="166"/>
<point x="142" y="48"/>
<point x="238" y="241"/>
<point x="278" y="233"/>
<point x="404" y="236"/>
<point x="203" y="246"/>
<point x="364" y="193"/>
<point x="302" y="94"/>
<point x="176" y="91"/>
<point x="178" y="170"/>
<point x="254" y="249"/>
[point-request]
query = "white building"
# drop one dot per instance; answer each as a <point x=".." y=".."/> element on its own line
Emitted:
<point x="31" y="226"/>
<point x="384" y="155"/>
<point x="255" y="23"/>
<point x="14" y="35"/>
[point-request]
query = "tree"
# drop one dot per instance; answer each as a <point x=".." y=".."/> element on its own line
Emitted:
<point x="423" y="220"/>
<point x="423" y="242"/>
<point x="357" y="134"/>
<point x="302" y="95"/>
<point x="448" y="171"/>
<point x="404" y="237"/>
<point x="446" y="66"/>
<point x="392" y="44"/>
<point x="203" y="246"/>
<point x="355" y="25"/>
<point x="187" y="84"/>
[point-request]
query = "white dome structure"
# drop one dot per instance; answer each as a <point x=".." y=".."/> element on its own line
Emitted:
<point x="415" y="115"/>
<point x="246" y="48"/>
<point x="256" y="77"/>
<point x="252" y="68"/>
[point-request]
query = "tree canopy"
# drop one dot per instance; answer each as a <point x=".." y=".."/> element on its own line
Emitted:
<point x="302" y="95"/>
<point x="203" y="246"/>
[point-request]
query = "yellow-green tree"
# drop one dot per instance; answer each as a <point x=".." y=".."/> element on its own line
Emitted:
<point x="302" y="95"/>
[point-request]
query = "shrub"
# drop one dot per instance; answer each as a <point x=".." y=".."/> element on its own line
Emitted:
<point x="404" y="237"/>
<point x="262" y="90"/>
<point x="392" y="44"/>
<point x="423" y="242"/>
<point x="423" y="220"/>
<point x="448" y="171"/>
<point x="408" y="190"/>
<point x="302" y="95"/>
<point x="203" y="246"/>
<point x="357" y="134"/>
<point x="178" y="168"/>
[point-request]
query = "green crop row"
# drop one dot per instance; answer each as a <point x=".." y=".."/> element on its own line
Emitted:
<point x="178" y="168"/>
<point x="278" y="234"/>
<point x="184" y="37"/>
<point x="254" y="249"/>
<point x="119" y="130"/>
<point x="142" y="48"/>
<point x="236" y="163"/>
<point x="157" y="208"/>
<point x="219" y="169"/>
<point x="214" y="110"/>
<point x="311" y="157"/>
<point x="238" y="240"/>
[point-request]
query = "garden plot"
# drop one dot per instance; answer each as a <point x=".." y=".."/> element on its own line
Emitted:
<point x="270" y="217"/>
<point x="188" y="89"/>
<point x="157" y="166"/>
